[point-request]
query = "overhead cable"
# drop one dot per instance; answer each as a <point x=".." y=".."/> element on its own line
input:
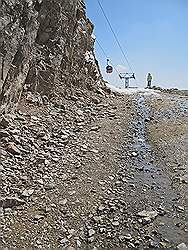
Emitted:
<point x="115" y="36"/>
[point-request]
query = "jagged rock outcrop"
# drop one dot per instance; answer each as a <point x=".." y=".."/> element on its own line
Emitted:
<point x="46" y="47"/>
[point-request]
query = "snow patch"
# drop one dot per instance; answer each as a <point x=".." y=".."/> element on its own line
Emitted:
<point x="131" y="91"/>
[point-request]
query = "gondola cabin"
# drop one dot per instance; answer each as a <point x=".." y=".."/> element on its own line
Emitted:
<point x="109" y="69"/>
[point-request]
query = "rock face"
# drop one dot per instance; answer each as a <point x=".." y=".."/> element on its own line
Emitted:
<point x="45" y="47"/>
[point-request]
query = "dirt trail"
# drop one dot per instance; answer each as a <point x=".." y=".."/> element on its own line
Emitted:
<point x="117" y="177"/>
<point x="155" y="189"/>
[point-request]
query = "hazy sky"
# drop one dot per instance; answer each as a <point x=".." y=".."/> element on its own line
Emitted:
<point x="154" y="35"/>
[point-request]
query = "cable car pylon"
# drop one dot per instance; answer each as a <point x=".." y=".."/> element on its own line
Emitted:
<point x="127" y="77"/>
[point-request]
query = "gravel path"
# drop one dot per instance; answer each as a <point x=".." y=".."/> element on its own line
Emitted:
<point x="95" y="173"/>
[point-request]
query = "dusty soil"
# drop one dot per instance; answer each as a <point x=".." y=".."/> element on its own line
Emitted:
<point x="96" y="174"/>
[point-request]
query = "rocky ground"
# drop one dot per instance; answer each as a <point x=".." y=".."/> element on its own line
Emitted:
<point x="95" y="172"/>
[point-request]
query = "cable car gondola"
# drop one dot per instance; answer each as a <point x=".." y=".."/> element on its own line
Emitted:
<point x="109" y="69"/>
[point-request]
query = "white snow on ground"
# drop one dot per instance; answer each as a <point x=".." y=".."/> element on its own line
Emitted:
<point x="131" y="91"/>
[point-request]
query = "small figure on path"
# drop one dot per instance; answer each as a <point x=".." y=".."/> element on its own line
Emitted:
<point x="149" y="79"/>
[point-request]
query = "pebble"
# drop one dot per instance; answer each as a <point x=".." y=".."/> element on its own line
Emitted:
<point x="91" y="232"/>
<point x="27" y="192"/>
<point x="12" y="148"/>
<point x="127" y="236"/>
<point x="4" y="133"/>
<point x="63" y="202"/>
<point x="72" y="192"/>
<point x="40" y="181"/>
<point x="180" y="209"/>
<point x="50" y="186"/>
<point x="4" y="123"/>
<point x="149" y="214"/>
<point x="1" y="211"/>
<point x="115" y="223"/>
<point x="1" y="168"/>
<point x="146" y="221"/>
<point x="94" y="128"/>
<point x="134" y="154"/>
<point x="38" y="217"/>
<point x="91" y="239"/>
<point x="182" y="246"/>
<point x="101" y="208"/>
<point x="9" y="202"/>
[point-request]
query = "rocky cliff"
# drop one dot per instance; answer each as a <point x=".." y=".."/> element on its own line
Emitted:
<point x="46" y="47"/>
